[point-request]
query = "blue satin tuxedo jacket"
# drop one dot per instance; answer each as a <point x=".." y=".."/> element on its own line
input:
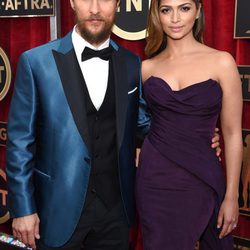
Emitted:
<point x="48" y="160"/>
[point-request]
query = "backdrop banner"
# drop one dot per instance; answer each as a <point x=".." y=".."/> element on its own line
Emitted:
<point x="245" y="175"/>
<point x="17" y="8"/>
<point x="5" y="74"/>
<point x="242" y="19"/>
<point x="245" y="78"/>
<point x="222" y="29"/>
<point x="131" y="19"/>
<point x="4" y="214"/>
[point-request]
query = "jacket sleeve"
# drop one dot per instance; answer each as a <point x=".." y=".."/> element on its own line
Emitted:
<point x="143" y="122"/>
<point x="21" y="142"/>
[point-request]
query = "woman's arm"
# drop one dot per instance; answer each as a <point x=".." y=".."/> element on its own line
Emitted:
<point x="231" y="118"/>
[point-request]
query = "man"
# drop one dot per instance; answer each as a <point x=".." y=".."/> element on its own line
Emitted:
<point x="71" y="137"/>
<point x="72" y="126"/>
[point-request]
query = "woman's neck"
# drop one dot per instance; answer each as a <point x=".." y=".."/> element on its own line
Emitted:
<point x="181" y="47"/>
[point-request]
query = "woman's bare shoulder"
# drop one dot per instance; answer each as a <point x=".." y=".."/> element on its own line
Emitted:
<point x="221" y="56"/>
<point x="224" y="66"/>
<point x="147" y="68"/>
<point x="225" y="59"/>
<point x="148" y="62"/>
<point x="218" y="59"/>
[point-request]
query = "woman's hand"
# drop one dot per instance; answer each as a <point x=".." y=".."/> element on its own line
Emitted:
<point x="228" y="216"/>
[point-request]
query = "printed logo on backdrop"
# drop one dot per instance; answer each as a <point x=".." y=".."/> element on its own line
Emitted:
<point x="242" y="19"/>
<point x="244" y="189"/>
<point x="4" y="214"/>
<point x="16" y="8"/>
<point x="5" y="74"/>
<point x="3" y="133"/>
<point x="241" y="243"/>
<point x="131" y="19"/>
<point x="245" y="175"/>
<point x="245" y="78"/>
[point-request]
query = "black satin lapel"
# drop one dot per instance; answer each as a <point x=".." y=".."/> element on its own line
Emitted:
<point x="72" y="81"/>
<point x="121" y="91"/>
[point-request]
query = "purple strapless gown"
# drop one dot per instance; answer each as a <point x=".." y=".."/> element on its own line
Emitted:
<point x="180" y="184"/>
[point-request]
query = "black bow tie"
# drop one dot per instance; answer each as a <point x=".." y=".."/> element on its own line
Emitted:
<point x="89" y="53"/>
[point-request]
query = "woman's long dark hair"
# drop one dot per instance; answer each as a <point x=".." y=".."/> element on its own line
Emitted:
<point x="156" y="38"/>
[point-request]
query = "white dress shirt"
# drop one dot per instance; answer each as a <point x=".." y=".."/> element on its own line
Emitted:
<point x="95" y="70"/>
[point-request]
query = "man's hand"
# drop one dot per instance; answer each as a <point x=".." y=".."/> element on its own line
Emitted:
<point x="216" y="143"/>
<point x="26" y="229"/>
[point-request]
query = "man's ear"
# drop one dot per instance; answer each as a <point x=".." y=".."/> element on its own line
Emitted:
<point x="72" y="4"/>
<point x="118" y="3"/>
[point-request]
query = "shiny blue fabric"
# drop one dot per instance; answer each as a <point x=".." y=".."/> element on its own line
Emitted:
<point x="48" y="161"/>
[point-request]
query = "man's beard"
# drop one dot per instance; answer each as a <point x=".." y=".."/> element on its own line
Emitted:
<point x="95" y="37"/>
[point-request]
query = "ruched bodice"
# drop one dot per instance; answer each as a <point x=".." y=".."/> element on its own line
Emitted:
<point x="183" y="123"/>
<point x="193" y="110"/>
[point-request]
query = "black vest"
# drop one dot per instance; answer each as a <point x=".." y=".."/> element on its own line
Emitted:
<point x="104" y="176"/>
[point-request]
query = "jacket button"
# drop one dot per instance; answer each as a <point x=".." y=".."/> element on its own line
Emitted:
<point x="93" y="191"/>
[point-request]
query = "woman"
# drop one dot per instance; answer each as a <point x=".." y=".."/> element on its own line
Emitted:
<point x="181" y="194"/>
